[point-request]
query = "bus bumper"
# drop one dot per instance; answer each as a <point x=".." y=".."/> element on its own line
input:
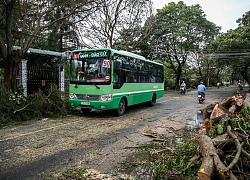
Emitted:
<point x="99" y="105"/>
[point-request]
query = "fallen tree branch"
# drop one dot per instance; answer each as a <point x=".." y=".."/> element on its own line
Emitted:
<point x="245" y="152"/>
<point x="17" y="110"/>
<point x="211" y="166"/>
<point x="238" y="147"/>
<point x="245" y="133"/>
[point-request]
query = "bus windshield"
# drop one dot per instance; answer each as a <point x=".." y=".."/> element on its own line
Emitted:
<point x="90" y="67"/>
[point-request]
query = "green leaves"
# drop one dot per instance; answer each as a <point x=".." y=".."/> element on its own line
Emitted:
<point x="179" y="32"/>
<point x="233" y="49"/>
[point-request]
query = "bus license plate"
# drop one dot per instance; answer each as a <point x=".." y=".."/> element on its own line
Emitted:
<point x="85" y="103"/>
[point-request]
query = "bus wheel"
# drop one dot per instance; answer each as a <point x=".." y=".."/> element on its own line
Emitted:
<point x="85" y="110"/>
<point x="153" y="101"/>
<point x="121" y="108"/>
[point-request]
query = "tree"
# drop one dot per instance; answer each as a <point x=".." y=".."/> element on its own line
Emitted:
<point x="23" y="21"/>
<point x="179" y="32"/>
<point x="116" y="24"/>
<point x="233" y="48"/>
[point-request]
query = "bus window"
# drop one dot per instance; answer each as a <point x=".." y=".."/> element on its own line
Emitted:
<point x="143" y="79"/>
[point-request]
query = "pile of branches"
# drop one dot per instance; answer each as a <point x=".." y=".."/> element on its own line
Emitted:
<point x="224" y="142"/>
<point x="16" y="107"/>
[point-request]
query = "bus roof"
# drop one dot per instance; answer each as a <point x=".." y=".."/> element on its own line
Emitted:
<point x="122" y="52"/>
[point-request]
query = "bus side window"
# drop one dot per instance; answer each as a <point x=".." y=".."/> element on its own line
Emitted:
<point x="131" y="79"/>
<point x="143" y="79"/>
<point x="116" y="77"/>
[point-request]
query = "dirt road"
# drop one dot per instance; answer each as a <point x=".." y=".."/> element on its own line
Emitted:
<point x="98" y="140"/>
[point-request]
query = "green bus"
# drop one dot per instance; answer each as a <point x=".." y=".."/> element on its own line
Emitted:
<point x="105" y="79"/>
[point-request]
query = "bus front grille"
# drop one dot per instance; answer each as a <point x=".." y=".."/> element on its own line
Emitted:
<point x="87" y="97"/>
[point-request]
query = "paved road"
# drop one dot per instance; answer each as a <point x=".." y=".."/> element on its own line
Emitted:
<point x="97" y="140"/>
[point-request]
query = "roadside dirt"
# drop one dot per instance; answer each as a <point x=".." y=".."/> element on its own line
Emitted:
<point x="98" y="140"/>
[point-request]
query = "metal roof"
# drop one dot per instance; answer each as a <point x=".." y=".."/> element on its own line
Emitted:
<point x="40" y="51"/>
<point x="36" y="54"/>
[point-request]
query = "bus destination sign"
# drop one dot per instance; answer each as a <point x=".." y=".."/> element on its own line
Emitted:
<point x="91" y="54"/>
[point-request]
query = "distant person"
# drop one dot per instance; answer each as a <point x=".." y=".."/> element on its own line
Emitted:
<point x="218" y="85"/>
<point x="183" y="87"/>
<point x="201" y="89"/>
<point x="183" y="84"/>
<point x="240" y="85"/>
<point x="151" y="78"/>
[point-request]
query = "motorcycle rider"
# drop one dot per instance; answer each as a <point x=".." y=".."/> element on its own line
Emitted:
<point x="240" y="85"/>
<point x="201" y="89"/>
<point x="183" y="85"/>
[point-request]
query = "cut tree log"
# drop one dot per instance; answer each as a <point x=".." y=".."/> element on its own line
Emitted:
<point x="239" y="102"/>
<point x="211" y="167"/>
<point x="218" y="111"/>
<point x="233" y="108"/>
<point x="226" y="103"/>
<point x="247" y="99"/>
<point x="207" y="111"/>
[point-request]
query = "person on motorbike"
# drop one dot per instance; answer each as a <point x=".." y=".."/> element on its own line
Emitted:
<point x="201" y="89"/>
<point x="240" y="86"/>
<point x="183" y="87"/>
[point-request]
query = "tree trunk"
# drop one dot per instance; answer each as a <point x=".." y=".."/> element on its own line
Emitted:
<point x="177" y="80"/>
<point x="211" y="167"/>
<point x="11" y="65"/>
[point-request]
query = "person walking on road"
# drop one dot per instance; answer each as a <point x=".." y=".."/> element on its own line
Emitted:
<point x="201" y="89"/>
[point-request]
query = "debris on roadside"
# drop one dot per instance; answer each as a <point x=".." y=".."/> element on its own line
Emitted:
<point x="227" y="157"/>
<point x="150" y="134"/>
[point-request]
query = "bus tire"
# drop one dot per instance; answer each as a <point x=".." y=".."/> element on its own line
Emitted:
<point x="121" y="107"/>
<point x="153" y="101"/>
<point x="85" y="110"/>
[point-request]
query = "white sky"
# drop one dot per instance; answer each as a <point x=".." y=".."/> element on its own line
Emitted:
<point x="223" y="13"/>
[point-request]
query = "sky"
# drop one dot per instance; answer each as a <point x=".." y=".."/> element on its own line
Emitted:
<point x="223" y="13"/>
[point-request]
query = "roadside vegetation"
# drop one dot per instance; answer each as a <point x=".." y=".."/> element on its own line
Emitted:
<point x="165" y="158"/>
<point x="16" y="108"/>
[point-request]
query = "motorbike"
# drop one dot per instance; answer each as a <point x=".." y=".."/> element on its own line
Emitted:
<point x="182" y="89"/>
<point x="240" y="87"/>
<point x="201" y="97"/>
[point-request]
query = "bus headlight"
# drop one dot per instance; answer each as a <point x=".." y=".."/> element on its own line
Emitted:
<point x="72" y="96"/>
<point x="106" y="97"/>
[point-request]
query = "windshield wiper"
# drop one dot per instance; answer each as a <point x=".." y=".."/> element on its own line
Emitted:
<point x="76" y="85"/>
<point x="89" y="79"/>
<point x="95" y="84"/>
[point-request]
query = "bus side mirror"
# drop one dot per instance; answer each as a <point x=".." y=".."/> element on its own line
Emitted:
<point x="66" y="57"/>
